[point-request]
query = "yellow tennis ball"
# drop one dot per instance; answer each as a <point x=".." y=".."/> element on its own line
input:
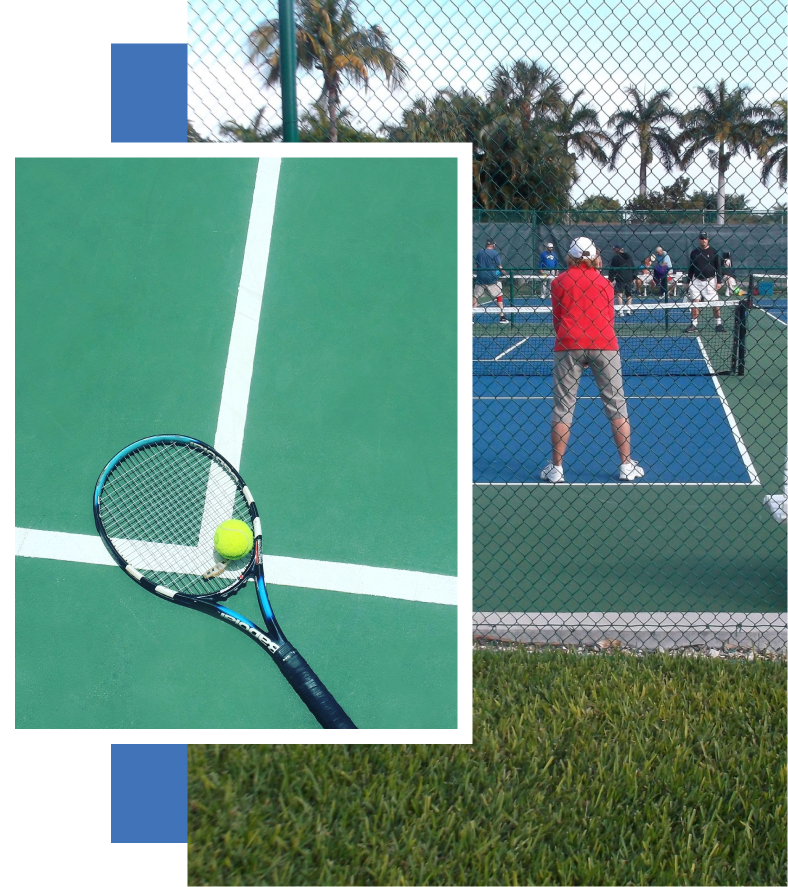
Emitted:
<point x="233" y="539"/>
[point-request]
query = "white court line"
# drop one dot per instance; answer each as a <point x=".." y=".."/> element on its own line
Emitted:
<point x="773" y="316"/>
<point x="234" y="403"/>
<point x="743" y="452"/>
<point x="516" y="345"/>
<point x="243" y="339"/>
<point x="406" y="585"/>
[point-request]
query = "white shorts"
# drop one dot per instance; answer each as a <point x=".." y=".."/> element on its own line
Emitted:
<point x="493" y="289"/>
<point x="702" y="290"/>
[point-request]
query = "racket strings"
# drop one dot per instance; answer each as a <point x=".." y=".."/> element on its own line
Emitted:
<point x="160" y="507"/>
<point x="144" y="502"/>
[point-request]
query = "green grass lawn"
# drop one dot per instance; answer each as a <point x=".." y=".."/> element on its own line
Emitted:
<point x="609" y="769"/>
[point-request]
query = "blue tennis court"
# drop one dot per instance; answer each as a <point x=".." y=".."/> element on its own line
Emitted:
<point x="683" y="432"/>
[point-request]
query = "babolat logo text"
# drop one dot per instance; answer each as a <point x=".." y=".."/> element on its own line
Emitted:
<point x="250" y="629"/>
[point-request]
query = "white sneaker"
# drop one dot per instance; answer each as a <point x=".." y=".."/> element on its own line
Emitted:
<point x="552" y="473"/>
<point x="630" y="471"/>
<point x="503" y="320"/>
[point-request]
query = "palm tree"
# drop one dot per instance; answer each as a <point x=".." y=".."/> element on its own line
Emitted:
<point x="233" y="131"/>
<point x="649" y="124"/>
<point x="522" y="168"/>
<point x="450" y="116"/>
<point x="193" y="136"/>
<point x="772" y="150"/>
<point x="580" y="130"/>
<point x="527" y="90"/>
<point x="727" y="122"/>
<point x="314" y="126"/>
<point x="520" y="159"/>
<point x="329" y="42"/>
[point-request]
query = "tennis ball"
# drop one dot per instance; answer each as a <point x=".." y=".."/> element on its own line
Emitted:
<point x="233" y="539"/>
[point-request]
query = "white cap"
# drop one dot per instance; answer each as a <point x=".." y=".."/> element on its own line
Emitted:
<point x="549" y="245"/>
<point x="582" y="248"/>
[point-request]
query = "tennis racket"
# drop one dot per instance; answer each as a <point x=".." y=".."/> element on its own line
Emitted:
<point x="157" y="505"/>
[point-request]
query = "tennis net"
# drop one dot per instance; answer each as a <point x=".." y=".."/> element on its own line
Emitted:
<point x="533" y="289"/>
<point x="653" y="339"/>
<point x="518" y="289"/>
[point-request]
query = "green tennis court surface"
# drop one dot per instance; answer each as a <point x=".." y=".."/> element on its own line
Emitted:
<point x="127" y="282"/>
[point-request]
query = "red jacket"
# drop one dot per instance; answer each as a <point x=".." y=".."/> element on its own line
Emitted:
<point x="583" y="314"/>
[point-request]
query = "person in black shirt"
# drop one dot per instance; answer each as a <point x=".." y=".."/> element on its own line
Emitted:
<point x="705" y="278"/>
<point x="621" y="273"/>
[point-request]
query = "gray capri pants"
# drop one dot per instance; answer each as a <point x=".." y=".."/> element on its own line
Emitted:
<point x="568" y="367"/>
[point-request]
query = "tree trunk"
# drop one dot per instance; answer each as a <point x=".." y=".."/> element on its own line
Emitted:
<point x="333" y="101"/>
<point x="723" y="160"/>
<point x="643" y="172"/>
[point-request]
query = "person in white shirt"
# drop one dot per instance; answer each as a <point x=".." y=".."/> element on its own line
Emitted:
<point x="729" y="281"/>
<point x="645" y="277"/>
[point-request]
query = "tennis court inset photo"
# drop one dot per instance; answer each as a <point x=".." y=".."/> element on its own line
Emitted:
<point x="190" y="330"/>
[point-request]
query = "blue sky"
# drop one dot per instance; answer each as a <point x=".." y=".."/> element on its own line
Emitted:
<point x="599" y="47"/>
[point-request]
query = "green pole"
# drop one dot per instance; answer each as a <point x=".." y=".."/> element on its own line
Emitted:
<point x="534" y="240"/>
<point x="287" y="68"/>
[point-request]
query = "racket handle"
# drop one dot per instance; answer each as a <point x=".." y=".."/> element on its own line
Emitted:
<point x="311" y="689"/>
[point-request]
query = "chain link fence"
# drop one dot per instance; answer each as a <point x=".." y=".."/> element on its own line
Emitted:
<point x="638" y="128"/>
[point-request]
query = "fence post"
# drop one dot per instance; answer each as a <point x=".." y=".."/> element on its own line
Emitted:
<point x="534" y="241"/>
<point x="287" y="48"/>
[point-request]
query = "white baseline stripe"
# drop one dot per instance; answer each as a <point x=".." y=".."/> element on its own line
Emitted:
<point x="408" y="585"/>
<point x="243" y="339"/>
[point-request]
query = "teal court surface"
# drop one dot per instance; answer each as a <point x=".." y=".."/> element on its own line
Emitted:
<point x="268" y="309"/>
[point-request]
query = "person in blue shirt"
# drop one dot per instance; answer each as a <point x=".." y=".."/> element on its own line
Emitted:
<point x="488" y="277"/>
<point x="548" y="268"/>
<point x="662" y="270"/>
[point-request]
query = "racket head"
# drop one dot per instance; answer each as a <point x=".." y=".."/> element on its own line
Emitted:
<point x="157" y="504"/>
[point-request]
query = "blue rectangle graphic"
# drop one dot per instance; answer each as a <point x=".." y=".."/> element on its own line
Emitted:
<point x="149" y="92"/>
<point x="149" y="794"/>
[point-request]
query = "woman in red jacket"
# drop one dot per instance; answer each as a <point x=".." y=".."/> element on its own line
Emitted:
<point x="583" y="317"/>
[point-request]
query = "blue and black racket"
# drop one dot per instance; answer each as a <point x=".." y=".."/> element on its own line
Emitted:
<point x="157" y="505"/>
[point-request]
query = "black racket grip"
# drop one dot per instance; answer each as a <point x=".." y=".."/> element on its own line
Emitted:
<point x="311" y="689"/>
